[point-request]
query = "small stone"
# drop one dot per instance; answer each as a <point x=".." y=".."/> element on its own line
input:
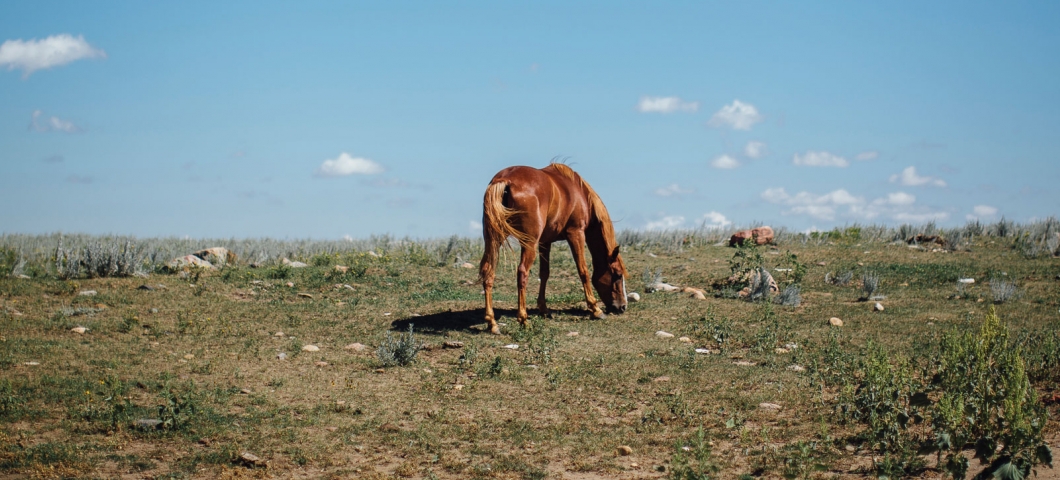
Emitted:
<point x="245" y="391"/>
<point x="386" y="314"/>
<point x="467" y="265"/>
<point x="791" y="345"/>
<point x="145" y="287"/>
<point x="835" y="322"/>
<point x="310" y="348"/>
<point x="347" y="286"/>
<point x="878" y="307"/>
<point x="633" y="297"/>
<point x="685" y="340"/>
<point x="625" y="450"/>
<point x="304" y="295"/>
<point x="452" y="344"/>
<point x="572" y="334"/>
<point x="24" y="276"/>
<point x="980" y="300"/>
<point x="768" y="406"/>
<point x="849" y="448"/>
<point x="705" y="351"/>
<point x="147" y="423"/>
<point x="356" y="347"/>
<point x="331" y="429"/>
<point x="821" y="264"/>
<point x="278" y="334"/>
<point x="744" y="363"/>
<point x="512" y="346"/>
<point x="661" y="379"/>
<point x="289" y="284"/>
<point x="966" y="280"/>
<point x="154" y="310"/>
<point x="781" y="351"/>
<point x="458" y="387"/>
<point x="380" y="370"/>
<point x="189" y="356"/>
<point x="281" y="356"/>
<point x="796" y="368"/>
<point x="31" y="364"/>
<point x="250" y="459"/>
<point x="79" y="329"/>
<point x="87" y="293"/>
<point x="321" y="364"/>
<point x="662" y="334"/>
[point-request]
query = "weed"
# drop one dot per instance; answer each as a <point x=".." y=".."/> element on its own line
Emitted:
<point x="469" y="356"/>
<point x="841" y="279"/>
<point x="692" y="458"/>
<point x="719" y="330"/>
<point x="539" y="341"/>
<point x="870" y="284"/>
<point x="1003" y="290"/>
<point x="400" y="351"/>
<point x="790" y="296"/>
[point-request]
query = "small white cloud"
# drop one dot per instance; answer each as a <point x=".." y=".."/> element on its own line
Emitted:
<point x="474" y="227"/>
<point x="897" y="206"/>
<point x="725" y="162"/>
<point x="738" y="116"/>
<point x="866" y="156"/>
<point x="666" y="223"/>
<point x="981" y="211"/>
<point x="52" y="124"/>
<point x="714" y="220"/>
<point x="896" y="198"/>
<point x="819" y="159"/>
<point x="672" y="190"/>
<point x="817" y="206"/>
<point x="775" y="195"/>
<point x="346" y="165"/>
<point x="32" y="55"/>
<point x="665" y="105"/>
<point x="754" y="149"/>
<point x="911" y="217"/>
<point x="908" y="177"/>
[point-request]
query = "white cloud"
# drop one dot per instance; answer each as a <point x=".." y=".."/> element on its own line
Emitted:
<point x="346" y="165"/>
<point x="819" y="159"/>
<point x="672" y="190"/>
<point x="908" y="177"/>
<point x="666" y="223"/>
<point x="866" y="156"/>
<point x="754" y="149"/>
<point x="911" y="217"/>
<point x="714" y="220"/>
<point x="725" y="162"/>
<point x="806" y="203"/>
<point x="32" y="55"/>
<point x="739" y="116"/>
<point x="897" y="198"/>
<point x="665" y="105"/>
<point x="474" y="227"/>
<point x="896" y="206"/>
<point x="52" y="124"/>
<point x="981" y="211"/>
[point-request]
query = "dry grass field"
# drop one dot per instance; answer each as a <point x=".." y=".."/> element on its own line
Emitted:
<point x="181" y="375"/>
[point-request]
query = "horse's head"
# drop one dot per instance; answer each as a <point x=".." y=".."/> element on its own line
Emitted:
<point x="610" y="283"/>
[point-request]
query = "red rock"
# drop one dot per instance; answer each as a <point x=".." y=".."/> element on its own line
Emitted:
<point x="761" y="236"/>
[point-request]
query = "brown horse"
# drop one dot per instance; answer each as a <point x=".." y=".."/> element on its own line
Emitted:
<point x="542" y="206"/>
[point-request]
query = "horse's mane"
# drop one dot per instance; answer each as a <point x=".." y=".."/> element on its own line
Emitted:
<point x="598" y="210"/>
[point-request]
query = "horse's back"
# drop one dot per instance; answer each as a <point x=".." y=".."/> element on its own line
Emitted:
<point x="552" y="194"/>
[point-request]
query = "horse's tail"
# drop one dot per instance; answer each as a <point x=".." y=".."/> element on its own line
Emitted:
<point x="496" y="227"/>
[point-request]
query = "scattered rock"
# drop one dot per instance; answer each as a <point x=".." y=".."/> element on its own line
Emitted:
<point x="662" y="334"/>
<point x="796" y="368"/>
<point x="760" y="235"/>
<point x="147" y="424"/>
<point x="768" y="406"/>
<point x="625" y="450"/>
<point x="966" y="280"/>
<point x="321" y="364"/>
<point x="331" y="429"/>
<point x="281" y="356"/>
<point x="87" y="293"/>
<point x="289" y="284"/>
<point x="835" y="322"/>
<point x="633" y="297"/>
<point x="310" y="348"/>
<point x="661" y="379"/>
<point x="781" y="351"/>
<point x="572" y="334"/>
<point x="356" y="347"/>
<point x="744" y="363"/>
<point x="849" y="448"/>
<point x="661" y="287"/>
<point x="452" y="344"/>
<point x="289" y="263"/>
<point x="145" y="287"/>
<point x="188" y="261"/>
<point x="685" y="340"/>
<point x="512" y="346"/>
<point x="79" y="329"/>
<point x="219" y="256"/>
<point x="245" y="391"/>
<point x="341" y="268"/>
<point x="347" y="286"/>
<point x="154" y="310"/>
<point x="791" y="345"/>
<point x="31" y="364"/>
<point x="705" y="351"/>
<point x="188" y="356"/>
<point x="251" y="460"/>
<point x="279" y="334"/>
<point x="878" y="307"/>
<point x="467" y="265"/>
<point x="304" y="295"/>
<point x="458" y="387"/>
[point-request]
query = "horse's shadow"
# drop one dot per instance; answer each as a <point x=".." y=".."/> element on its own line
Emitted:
<point x="471" y="321"/>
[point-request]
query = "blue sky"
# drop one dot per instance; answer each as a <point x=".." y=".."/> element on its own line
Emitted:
<point x="322" y="120"/>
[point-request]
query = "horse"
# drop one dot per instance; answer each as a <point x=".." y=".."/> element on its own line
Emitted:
<point x="542" y="206"/>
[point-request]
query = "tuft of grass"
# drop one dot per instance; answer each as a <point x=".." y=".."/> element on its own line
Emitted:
<point x="870" y="285"/>
<point x="399" y="351"/>
<point x="1003" y="290"/>
<point x="790" y="296"/>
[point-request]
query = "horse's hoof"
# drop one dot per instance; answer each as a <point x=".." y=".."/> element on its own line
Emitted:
<point x="496" y="330"/>
<point x="599" y="315"/>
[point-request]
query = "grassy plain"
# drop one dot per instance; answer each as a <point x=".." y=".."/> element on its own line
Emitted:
<point x="200" y="353"/>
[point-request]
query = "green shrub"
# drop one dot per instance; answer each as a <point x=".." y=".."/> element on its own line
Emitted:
<point x="400" y="351"/>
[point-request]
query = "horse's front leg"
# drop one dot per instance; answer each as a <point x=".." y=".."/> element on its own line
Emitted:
<point x="527" y="261"/>
<point x="576" y="240"/>
<point x="544" y="249"/>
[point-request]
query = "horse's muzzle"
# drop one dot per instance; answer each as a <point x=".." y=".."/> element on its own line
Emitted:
<point x="614" y="309"/>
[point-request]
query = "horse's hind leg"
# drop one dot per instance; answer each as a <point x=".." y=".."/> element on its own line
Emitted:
<point x="487" y="271"/>
<point x="544" y="249"/>
<point x="527" y="261"/>
<point x="576" y="239"/>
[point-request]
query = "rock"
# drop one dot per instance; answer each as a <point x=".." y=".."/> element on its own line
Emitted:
<point x="23" y="276"/>
<point x="744" y="363"/>
<point x="189" y="356"/>
<point x="768" y="406"/>
<point x="761" y="236"/>
<point x="705" y="351"/>
<point x="289" y="263"/>
<point x="661" y="287"/>
<point x="310" y="348"/>
<point x="87" y="293"/>
<point x="635" y="297"/>
<point x="219" y="256"/>
<point x="31" y="364"/>
<point x="781" y="351"/>
<point x="661" y="379"/>
<point x="154" y="310"/>
<point x="625" y="450"/>
<point x="821" y="264"/>
<point x="796" y="368"/>
<point x="331" y="429"/>
<point x="372" y="253"/>
<point x="251" y="460"/>
<point x="147" y="424"/>
<point x="791" y="345"/>
<point x="467" y="265"/>
<point x="572" y="334"/>
<point x="685" y="340"/>
<point x="356" y="347"/>
<point x="452" y="344"/>
<point x="341" y="269"/>
<point x="662" y="334"/>
<point x="835" y="322"/>
<point x="289" y="284"/>
<point x="145" y="287"/>
<point x="279" y="334"/>
<point x="281" y="356"/>
<point x="512" y="346"/>
<point x="305" y="295"/>
<point x="321" y="364"/>
<point x="79" y="329"/>
<point x="347" y="286"/>
<point x="245" y="391"/>
<point x="189" y="261"/>
<point x="968" y="280"/>
<point x="878" y="307"/>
